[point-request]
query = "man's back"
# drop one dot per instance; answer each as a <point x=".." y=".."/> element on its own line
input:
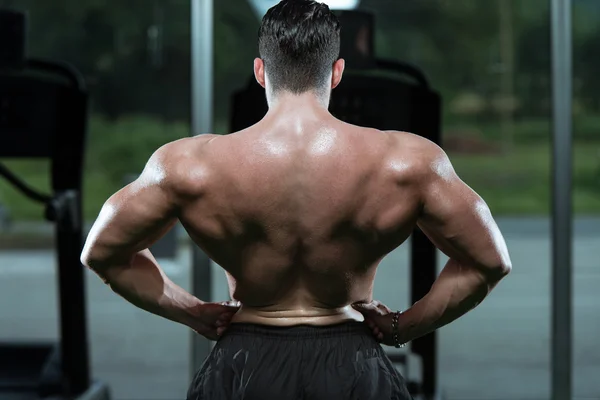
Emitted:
<point x="300" y="211"/>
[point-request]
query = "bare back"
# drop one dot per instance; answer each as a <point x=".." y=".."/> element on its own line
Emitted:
<point x="300" y="216"/>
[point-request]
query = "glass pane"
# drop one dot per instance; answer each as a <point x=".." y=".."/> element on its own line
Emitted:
<point x="135" y="56"/>
<point x="490" y="61"/>
<point x="586" y="198"/>
<point x="236" y="27"/>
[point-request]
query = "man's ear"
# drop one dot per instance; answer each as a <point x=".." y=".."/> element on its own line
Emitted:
<point x="338" y="71"/>
<point x="259" y="71"/>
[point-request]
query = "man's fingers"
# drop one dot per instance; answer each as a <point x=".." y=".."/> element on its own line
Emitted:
<point x="221" y="330"/>
<point x="364" y="307"/>
<point x="374" y="308"/>
<point x="383" y="308"/>
<point x="232" y="303"/>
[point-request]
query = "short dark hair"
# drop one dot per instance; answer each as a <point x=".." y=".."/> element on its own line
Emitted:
<point x="299" y="41"/>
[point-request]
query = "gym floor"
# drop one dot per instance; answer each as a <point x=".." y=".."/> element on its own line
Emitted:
<point x="499" y="351"/>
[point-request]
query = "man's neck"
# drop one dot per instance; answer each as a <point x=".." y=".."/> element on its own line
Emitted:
<point x="305" y="103"/>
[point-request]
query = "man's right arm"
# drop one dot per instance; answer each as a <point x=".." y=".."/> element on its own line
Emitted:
<point x="460" y="224"/>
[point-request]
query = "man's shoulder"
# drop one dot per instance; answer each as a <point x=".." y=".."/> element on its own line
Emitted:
<point x="173" y="154"/>
<point x="182" y="163"/>
<point x="411" y="141"/>
<point x="185" y="145"/>
<point x="402" y="140"/>
<point x="405" y="154"/>
<point x="412" y="150"/>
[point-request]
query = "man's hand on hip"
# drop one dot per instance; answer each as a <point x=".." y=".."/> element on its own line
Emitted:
<point x="379" y="318"/>
<point x="213" y="319"/>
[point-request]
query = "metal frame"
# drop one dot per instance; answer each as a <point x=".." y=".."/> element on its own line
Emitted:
<point x="562" y="91"/>
<point x="66" y="368"/>
<point x="202" y="17"/>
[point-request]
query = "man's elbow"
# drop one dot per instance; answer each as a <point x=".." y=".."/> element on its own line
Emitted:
<point x="86" y="257"/>
<point x="505" y="269"/>
<point x="505" y="266"/>
<point x="91" y="259"/>
<point x="499" y="270"/>
<point x="89" y="255"/>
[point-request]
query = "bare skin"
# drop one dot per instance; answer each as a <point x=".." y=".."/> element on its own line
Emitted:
<point x="299" y="210"/>
<point x="305" y="216"/>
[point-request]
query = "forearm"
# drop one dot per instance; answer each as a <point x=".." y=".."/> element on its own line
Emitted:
<point x="143" y="283"/>
<point x="457" y="290"/>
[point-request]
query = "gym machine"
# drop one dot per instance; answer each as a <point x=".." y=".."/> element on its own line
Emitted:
<point x="387" y="95"/>
<point x="43" y="114"/>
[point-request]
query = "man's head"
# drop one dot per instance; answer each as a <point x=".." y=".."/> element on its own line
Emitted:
<point x="299" y="46"/>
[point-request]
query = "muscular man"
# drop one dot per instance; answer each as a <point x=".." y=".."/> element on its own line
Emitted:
<point x="299" y="210"/>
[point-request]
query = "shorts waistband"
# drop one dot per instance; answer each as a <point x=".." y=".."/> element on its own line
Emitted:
<point x="299" y="331"/>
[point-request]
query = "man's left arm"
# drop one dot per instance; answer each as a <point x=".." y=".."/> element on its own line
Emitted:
<point x="117" y="248"/>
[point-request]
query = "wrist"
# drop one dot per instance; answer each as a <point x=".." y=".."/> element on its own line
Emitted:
<point x="405" y="327"/>
<point x="194" y="313"/>
<point x="397" y="336"/>
<point x="183" y="307"/>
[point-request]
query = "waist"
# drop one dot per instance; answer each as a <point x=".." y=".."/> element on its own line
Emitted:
<point x="313" y="316"/>
<point x="349" y="328"/>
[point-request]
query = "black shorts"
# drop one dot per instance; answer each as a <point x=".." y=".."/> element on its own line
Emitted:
<point x="257" y="362"/>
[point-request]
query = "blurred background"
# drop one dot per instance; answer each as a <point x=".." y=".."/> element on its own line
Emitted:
<point x="491" y="63"/>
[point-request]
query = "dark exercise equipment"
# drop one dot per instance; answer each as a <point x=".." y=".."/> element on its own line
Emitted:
<point x="43" y="114"/>
<point x="386" y="95"/>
